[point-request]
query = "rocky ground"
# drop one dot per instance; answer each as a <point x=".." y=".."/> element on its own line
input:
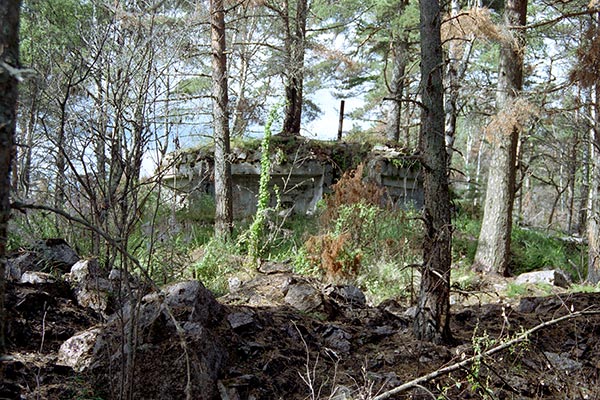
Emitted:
<point x="282" y="336"/>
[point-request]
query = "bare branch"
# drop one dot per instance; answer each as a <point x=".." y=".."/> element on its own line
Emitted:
<point x="454" y="367"/>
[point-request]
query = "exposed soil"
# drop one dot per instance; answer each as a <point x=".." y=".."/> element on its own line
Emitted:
<point x="337" y="351"/>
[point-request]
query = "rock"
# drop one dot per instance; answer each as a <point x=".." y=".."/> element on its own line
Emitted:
<point x="16" y="265"/>
<point x="180" y="329"/>
<point x="234" y="284"/>
<point x="191" y="301"/>
<point x="342" y="392"/>
<point x="348" y="295"/>
<point x="84" y="270"/>
<point x="303" y="297"/>
<point x="520" y="384"/>
<point x="56" y="254"/>
<point x="562" y="362"/>
<point x="337" y="338"/>
<point x="527" y="305"/>
<point x="258" y="291"/>
<point x="77" y="352"/>
<point x="411" y="312"/>
<point x="553" y="277"/>
<point x="385" y="330"/>
<point x="48" y="256"/>
<point x="91" y="289"/>
<point x="272" y="267"/>
<point x="35" y="277"/>
<point x="240" y="319"/>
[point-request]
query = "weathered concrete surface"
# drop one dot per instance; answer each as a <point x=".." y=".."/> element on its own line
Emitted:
<point x="303" y="170"/>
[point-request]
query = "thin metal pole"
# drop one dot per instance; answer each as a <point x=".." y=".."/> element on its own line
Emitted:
<point x="339" y="135"/>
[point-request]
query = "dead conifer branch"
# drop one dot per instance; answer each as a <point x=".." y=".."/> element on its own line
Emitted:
<point x="477" y="23"/>
<point x="513" y="115"/>
<point x="454" y="367"/>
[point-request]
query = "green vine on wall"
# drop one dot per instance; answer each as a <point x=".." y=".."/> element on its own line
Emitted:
<point x="256" y="230"/>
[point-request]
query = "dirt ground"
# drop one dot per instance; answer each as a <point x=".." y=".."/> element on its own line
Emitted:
<point x="338" y="351"/>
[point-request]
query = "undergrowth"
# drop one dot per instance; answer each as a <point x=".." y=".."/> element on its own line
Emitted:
<point x="363" y="240"/>
<point x="532" y="249"/>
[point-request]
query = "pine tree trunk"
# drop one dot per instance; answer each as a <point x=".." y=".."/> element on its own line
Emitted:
<point x="433" y="307"/>
<point x="400" y="57"/>
<point x="9" y="45"/>
<point x="222" y="171"/>
<point x="593" y="221"/>
<point x="493" y="247"/>
<point x="295" y="47"/>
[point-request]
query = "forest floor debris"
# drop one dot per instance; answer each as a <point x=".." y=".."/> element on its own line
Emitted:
<point x="339" y="349"/>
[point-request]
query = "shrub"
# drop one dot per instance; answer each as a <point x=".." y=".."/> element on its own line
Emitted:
<point x="351" y="189"/>
<point x="363" y="240"/>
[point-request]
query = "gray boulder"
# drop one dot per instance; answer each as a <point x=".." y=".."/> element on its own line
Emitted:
<point x="55" y="254"/>
<point x="19" y="263"/>
<point x="91" y="289"/>
<point x="35" y="277"/>
<point x="553" y="277"/>
<point x="179" y="335"/>
<point x="303" y="297"/>
<point x="50" y="255"/>
<point x="78" y="351"/>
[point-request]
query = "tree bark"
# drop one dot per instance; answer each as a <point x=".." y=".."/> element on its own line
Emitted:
<point x="433" y="307"/>
<point x="458" y="60"/>
<point x="396" y="88"/>
<point x="584" y="190"/>
<point x="295" y="44"/>
<point x="493" y="247"/>
<point x="9" y="45"/>
<point x="222" y="171"/>
<point x="593" y="221"/>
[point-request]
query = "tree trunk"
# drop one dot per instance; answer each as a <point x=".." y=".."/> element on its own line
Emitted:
<point x="295" y="47"/>
<point x="433" y="307"/>
<point x="9" y="45"/>
<point x="593" y="221"/>
<point x="493" y="247"/>
<point x="396" y="88"/>
<point x="222" y="172"/>
<point x="458" y="60"/>
<point x="585" y="182"/>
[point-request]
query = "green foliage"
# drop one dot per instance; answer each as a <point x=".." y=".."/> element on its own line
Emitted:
<point x="464" y="278"/>
<point x="255" y="233"/>
<point x="370" y="245"/>
<point x="464" y="240"/>
<point x="34" y="225"/>
<point x="531" y="249"/>
<point x="200" y="209"/>
<point x="387" y="280"/>
<point x="481" y="343"/>
<point x="52" y="27"/>
<point x="289" y="241"/>
<point x="193" y="86"/>
<point x="584" y="288"/>
<point x="218" y="262"/>
<point x="164" y="238"/>
<point x="515" y="290"/>
<point x="534" y="250"/>
<point x="26" y="229"/>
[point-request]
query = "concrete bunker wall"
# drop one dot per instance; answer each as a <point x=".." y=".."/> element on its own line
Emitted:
<point x="303" y="171"/>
